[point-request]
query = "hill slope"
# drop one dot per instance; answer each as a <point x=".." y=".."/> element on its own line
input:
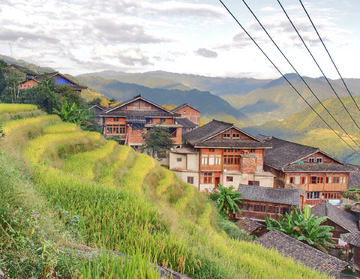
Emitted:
<point x="307" y="128"/>
<point x="109" y="196"/>
<point x="211" y="106"/>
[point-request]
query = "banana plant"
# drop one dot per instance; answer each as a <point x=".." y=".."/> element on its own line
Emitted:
<point x="305" y="227"/>
<point x="226" y="198"/>
<point x="72" y="114"/>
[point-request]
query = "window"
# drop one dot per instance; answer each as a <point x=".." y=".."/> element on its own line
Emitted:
<point x="254" y="183"/>
<point x="231" y="159"/>
<point x="336" y="179"/>
<point x="319" y="160"/>
<point x="179" y="159"/>
<point x="204" y="160"/>
<point x="250" y="207"/>
<point x="317" y="180"/>
<point x="243" y="207"/>
<point x="276" y="209"/>
<point x="211" y="150"/>
<point x="328" y="179"/>
<point x="256" y="207"/>
<point x="313" y="195"/>
<point x="229" y="178"/>
<point x="116" y="119"/>
<point x="122" y="129"/>
<point x="252" y="150"/>
<point x="218" y="160"/>
<point x="263" y="208"/>
<point x="207" y="178"/>
<point x="303" y="180"/>
<point x="311" y="160"/>
<point x="292" y="180"/>
<point x="270" y="209"/>
<point x="190" y="179"/>
<point x="226" y="135"/>
<point x="237" y="135"/>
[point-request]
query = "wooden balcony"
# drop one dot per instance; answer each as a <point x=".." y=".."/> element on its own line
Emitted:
<point x="211" y="168"/>
<point x="232" y="167"/>
<point x="257" y="215"/>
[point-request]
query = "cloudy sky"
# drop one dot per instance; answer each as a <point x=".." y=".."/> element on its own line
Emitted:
<point x="194" y="37"/>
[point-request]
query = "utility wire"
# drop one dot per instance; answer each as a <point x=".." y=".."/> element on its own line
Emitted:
<point x="343" y="81"/>
<point x="317" y="64"/>
<point x="285" y="77"/>
<point x="307" y="85"/>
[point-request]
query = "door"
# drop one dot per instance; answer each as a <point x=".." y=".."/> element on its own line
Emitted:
<point x="217" y="181"/>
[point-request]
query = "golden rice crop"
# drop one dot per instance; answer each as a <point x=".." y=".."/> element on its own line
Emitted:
<point x="61" y="128"/>
<point x="107" y="176"/>
<point x="82" y="164"/>
<point x="9" y="127"/>
<point x="38" y="146"/>
<point x="14" y="108"/>
<point x="135" y="178"/>
<point x="204" y="218"/>
<point x="184" y="200"/>
<point x="165" y="182"/>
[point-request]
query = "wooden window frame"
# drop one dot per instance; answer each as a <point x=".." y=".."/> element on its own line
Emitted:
<point x="190" y="180"/>
<point x="229" y="178"/>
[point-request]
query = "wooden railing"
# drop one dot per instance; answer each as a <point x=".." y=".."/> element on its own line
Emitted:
<point x="211" y="168"/>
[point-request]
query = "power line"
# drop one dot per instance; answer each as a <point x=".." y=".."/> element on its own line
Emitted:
<point x="285" y="77"/>
<point x="343" y="81"/>
<point x="337" y="122"/>
<point x="317" y="64"/>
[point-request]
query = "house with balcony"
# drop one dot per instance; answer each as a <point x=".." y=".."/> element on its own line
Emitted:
<point x="258" y="202"/>
<point x="220" y="152"/>
<point x="130" y="119"/>
<point x="320" y="176"/>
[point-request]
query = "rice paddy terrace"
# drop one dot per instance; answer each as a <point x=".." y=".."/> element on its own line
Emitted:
<point x="87" y="191"/>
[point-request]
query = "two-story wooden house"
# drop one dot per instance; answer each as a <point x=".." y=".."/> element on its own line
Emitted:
<point x="188" y="112"/>
<point x="319" y="175"/>
<point x="132" y="118"/>
<point x="219" y="152"/>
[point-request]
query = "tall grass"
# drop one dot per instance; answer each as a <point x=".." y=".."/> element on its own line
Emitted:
<point x="14" y="108"/>
<point x="184" y="200"/>
<point x="61" y="128"/>
<point x="38" y="146"/>
<point x="82" y="164"/>
<point x="165" y="182"/>
<point x="10" y="127"/>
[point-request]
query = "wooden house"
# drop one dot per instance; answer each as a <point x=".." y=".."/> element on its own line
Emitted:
<point x="319" y="175"/>
<point x="130" y="119"/>
<point x="353" y="239"/>
<point x="251" y="227"/>
<point x="219" y="152"/>
<point x="97" y="111"/>
<point x="342" y="221"/>
<point x="302" y="253"/>
<point x="258" y="202"/>
<point x="61" y="79"/>
<point x="188" y="112"/>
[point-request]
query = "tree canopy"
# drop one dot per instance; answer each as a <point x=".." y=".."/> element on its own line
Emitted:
<point x="157" y="141"/>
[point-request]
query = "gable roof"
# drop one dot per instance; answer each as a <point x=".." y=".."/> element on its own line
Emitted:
<point x="351" y="238"/>
<point x="163" y="113"/>
<point x="75" y="85"/>
<point x="186" y="123"/>
<point x="354" y="178"/>
<point x="301" y="252"/>
<point x="337" y="215"/>
<point x="273" y="195"/>
<point x="204" y="133"/>
<point x="181" y="106"/>
<point x="249" y="225"/>
<point x="284" y="155"/>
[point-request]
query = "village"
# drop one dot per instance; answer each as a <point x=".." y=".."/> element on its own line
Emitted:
<point x="272" y="177"/>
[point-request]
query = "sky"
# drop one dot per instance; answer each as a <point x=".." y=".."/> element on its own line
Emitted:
<point x="192" y="37"/>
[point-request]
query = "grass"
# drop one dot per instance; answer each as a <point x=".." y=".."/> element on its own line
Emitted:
<point x="176" y="227"/>
<point x="14" y="108"/>
<point x="61" y="128"/>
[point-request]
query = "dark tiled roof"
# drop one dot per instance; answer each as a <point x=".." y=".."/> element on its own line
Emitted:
<point x="233" y="143"/>
<point x="301" y="252"/>
<point x="186" y="123"/>
<point x="183" y="105"/>
<point x="273" y="195"/>
<point x="249" y="225"/>
<point x="142" y="113"/>
<point x="324" y="167"/>
<point x="337" y="215"/>
<point x="285" y="152"/>
<point x="209" y="130"/>
<point x="351" y="238"/>
<point x="90" y="106"/>
<point x="163" y="113"/>
<point x="354" y="179"/>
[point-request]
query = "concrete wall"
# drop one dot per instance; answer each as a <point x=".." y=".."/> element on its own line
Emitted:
<point x="173" y="161"/>
<point x="185" y="174"/>
<point x="265" y="180"/>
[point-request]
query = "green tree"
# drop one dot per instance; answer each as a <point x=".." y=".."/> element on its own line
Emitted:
<point x="157" y="141"/>
<point x="304" y="226"/>
<point x="226" y="199"/>
<point x="72" y="113"/>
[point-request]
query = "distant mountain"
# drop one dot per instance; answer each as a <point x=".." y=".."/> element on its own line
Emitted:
<point x="277" y="100"/>
<point x="307" y="128"/>
<point x="23" y="63"/>
<point x="140" y="79"/>
<point x="211" y="106"/>
<point x="167" y="80"/>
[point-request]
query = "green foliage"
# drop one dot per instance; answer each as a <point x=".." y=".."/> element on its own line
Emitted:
<point x="226" y="199"/>
<point x="351" y="193"/>
<point x="232" y="230"/>
<point x="157" y="141"/>
<point x="72" y="113"/>
<point x="304" y="226"/>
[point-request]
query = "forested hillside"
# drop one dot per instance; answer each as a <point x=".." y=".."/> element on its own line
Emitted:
<point x="211" y="106"/>
<point x="65" y="191"/>
<point x="307" y="128"/>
